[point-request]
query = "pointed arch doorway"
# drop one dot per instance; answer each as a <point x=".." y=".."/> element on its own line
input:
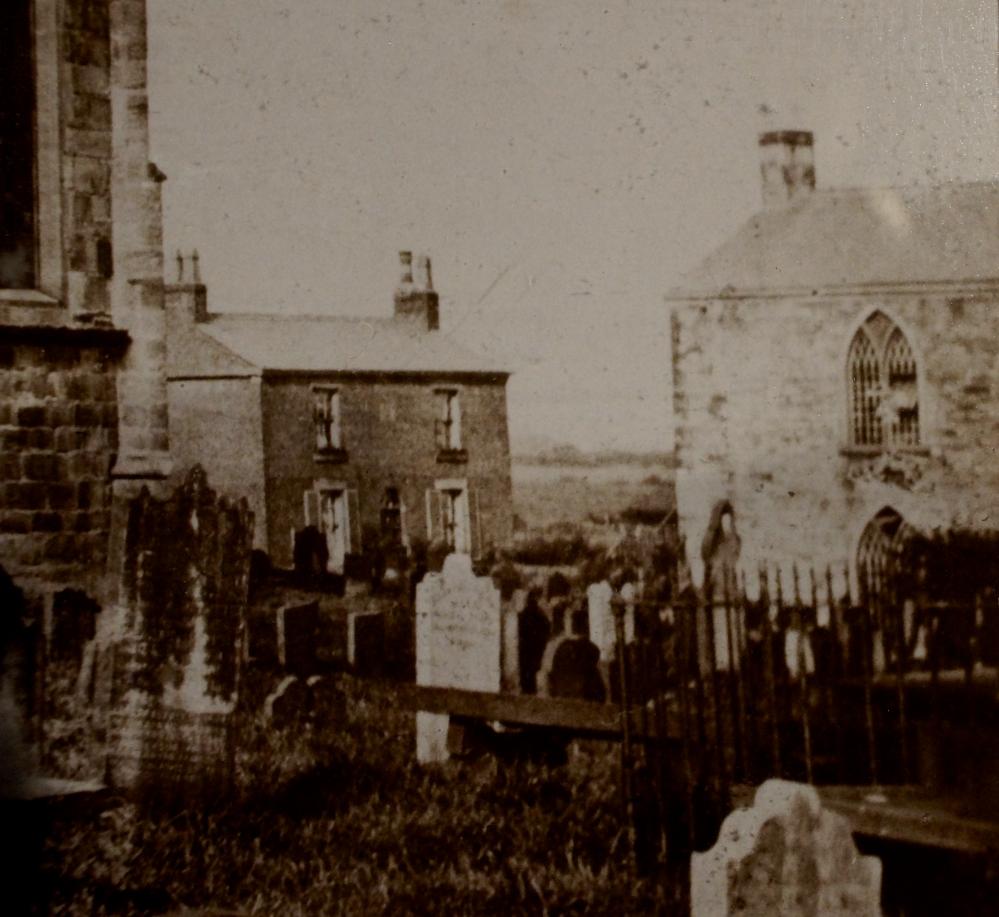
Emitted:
<point x="880" y="550"/>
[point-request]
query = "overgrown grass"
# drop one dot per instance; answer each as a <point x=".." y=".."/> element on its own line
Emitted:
<point x="341" y="819"/>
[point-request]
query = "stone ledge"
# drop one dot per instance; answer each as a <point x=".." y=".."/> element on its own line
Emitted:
<point x="48" y="332"/>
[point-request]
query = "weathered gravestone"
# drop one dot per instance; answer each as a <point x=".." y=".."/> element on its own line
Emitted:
<point x="297" y="629"/>
<point x="458" y="642"/>
<point x="179" y="620"/>
<point x="786" y="856"/>
<point x="598" y="601"/>
<point x="327" y="702"/>
<point x="512" y="607"/>
<point x="288" y="703"/>
<point x="366" y="642"/>
<point x="570" y="668"/>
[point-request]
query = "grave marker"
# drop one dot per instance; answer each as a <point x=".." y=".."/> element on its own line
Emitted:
<point x="458" y="643"/>
<point x="786" y="856"/>
<point x="184" y="568"/>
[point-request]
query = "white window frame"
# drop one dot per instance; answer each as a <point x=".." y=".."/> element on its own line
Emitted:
<point x="326" y="410"/>
<point x="448" y="426"/>
<point x="882" y="401"/>
<point x="451" y="495"/>
<point x="336" y="495"/>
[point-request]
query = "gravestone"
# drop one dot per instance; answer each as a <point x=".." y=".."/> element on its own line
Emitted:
<point x="458" y="643"/>
<point x="598" y="601"/>
<point x="184" y="566"/>
<point x="288" y="703"/>
<point x="786" y="856"/>
<point x="571" y="669"/>
<point x="533" y="633"/>
<point x="512" y="608"/>
<point x="366" y="642"/>
<point x="297" y="629"/>
<point x="327" y="704"/>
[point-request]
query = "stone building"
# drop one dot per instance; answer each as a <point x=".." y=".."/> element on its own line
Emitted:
<point x="83" y="413"/>
<point x="368" y="429"/>
<point x="836" y="370"/>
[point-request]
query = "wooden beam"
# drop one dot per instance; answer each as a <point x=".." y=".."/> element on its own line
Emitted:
<point x="584" y="718"/>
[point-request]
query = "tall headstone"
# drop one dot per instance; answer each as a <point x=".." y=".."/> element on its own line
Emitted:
<point x="458" y="643"/>
<point x="512" y="607"/>
<point x="181" y="612"/>
<point x="598" y="601"/>
<point x="786" y="856"/>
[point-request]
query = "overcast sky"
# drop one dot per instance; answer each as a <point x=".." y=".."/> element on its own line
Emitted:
<point x="562" y="161"/>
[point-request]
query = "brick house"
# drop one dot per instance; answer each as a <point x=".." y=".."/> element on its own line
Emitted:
<point x="835" y="368"/>
<point x="368" y="429"/>
<point x="82" y="377"/>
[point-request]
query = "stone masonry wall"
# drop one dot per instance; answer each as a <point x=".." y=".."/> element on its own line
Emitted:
<point x="58" y="432"/>
<point x="760" y="405"/>
<point x="388" y="432"/>
<point x="199" y="409"/>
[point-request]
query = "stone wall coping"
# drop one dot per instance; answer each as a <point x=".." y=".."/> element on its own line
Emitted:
<point x="66" y="332"/>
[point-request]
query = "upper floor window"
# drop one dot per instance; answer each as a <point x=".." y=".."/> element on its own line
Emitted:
<point x="326" y="419"/>
<point x="448" y="427"/>
<point x="17" y="147"/>
<point x="884" y="405"/>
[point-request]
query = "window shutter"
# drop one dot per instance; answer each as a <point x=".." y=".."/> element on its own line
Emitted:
<point x="336" y="424"/>
<point x="354" y="521"/>
<point x="430" y="514"/>
<point x="404" y="531"/>
<point x="475" y="523"/>
<point x="455" y="405"/>
<point x="440" y="514"/>
<point x="310" y="500"/>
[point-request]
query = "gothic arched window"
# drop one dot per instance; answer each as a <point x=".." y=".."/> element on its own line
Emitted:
<point x="881" y="371"/>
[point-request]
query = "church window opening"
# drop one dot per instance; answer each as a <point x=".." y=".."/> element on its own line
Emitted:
<point x="17" y="147"/>
<point x="884" y="406"/>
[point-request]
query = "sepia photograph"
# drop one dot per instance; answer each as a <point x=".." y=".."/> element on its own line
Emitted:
<point x="512" y="457"/>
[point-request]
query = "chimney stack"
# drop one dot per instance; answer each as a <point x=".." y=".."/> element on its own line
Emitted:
<point x="417" y="301"/>
<point x="787" y="164"/>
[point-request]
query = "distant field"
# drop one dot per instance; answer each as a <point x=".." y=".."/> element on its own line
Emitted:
<point x="548" y="493"/>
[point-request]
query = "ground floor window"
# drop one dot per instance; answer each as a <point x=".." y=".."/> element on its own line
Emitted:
<point x="333" y="510"/>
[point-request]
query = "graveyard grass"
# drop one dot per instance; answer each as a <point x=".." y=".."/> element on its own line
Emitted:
<point x="339" y="818"/>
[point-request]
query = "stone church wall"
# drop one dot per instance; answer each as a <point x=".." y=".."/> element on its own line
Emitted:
<point x="760" y="405"/>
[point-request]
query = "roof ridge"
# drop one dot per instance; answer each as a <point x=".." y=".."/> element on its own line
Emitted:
<point x="936" y="186"/>
<point x="307" y="316"/>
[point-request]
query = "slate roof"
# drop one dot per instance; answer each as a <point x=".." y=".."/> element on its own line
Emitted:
<point x="858" y="237"/>
<point x="319" y="343"/>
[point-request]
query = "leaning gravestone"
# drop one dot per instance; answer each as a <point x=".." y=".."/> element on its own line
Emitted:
<point x="184" y="570"/>
<point x="458" y="642"/>
<point x="785" y="856"/>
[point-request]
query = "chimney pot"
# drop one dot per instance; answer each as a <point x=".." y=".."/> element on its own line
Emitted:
<point x="414" y="302"/>
<point x="787" y="165"/>
<point x="406" y="276"/>
<point x="425" y="273"/>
